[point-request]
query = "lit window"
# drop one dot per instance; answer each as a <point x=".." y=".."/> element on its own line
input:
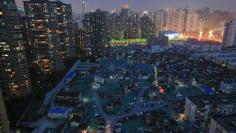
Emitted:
<point x="1" y="13"/>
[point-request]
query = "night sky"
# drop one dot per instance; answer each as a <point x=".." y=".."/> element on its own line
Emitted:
<point x="150" y="4"/>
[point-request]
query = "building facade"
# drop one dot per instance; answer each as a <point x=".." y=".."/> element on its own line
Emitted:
<point x="14" y="72"/>
<point x="147" y="27"/>
<point x="223" y="125"/>
<point x="116" y="30"/>
<point x="4" y="124"/>
<point x="80" y="42"/>
<point x="124" y="16"/>
<point x="51" y="35"/>
<point x="160" y="21"/>
<point x="229" y="38"/>
<point x="194" y="23"/>
<point x="228" y="87"/>
<point x="96" y="26"/>
<point x="181" y="20"/>
<point x="133" y="26"/>
<point x="202" y="108"/>
<point x="67" y="47"/>
<point x="83" y="9"/>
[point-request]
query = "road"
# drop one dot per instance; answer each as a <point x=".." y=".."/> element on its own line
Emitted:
<point x="50" y="97"/>
<point x="23" y="115"/>
<point x="43" y="123"/>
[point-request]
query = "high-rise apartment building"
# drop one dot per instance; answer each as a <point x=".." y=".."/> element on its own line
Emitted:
<point x="116" y="28"/>
<point x="4" y="124"/>
<point x="124" y="16"/>
<point x="83" y="9"/>
<point x="147" y="27"/>
<point x="14" y="72"/>
<point x="96" y="30"/>
<point x="229" y="38"/>
<point x="80" y="42"/>
<point x="133" y="26"/>
<point x="170" y="14"/>
<point x="67" y="47"/>
<point x="160" y="21"/>
<point x="51" y="35"/>
<point x="181" y="20"/>
<point x="194" y="22"/>
<point x="25" y="34"/>
<point x="176" y="20"/>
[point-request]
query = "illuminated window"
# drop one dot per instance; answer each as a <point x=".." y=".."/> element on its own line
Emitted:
<point x="39" y="20"/>
<point x="1" y="13"/>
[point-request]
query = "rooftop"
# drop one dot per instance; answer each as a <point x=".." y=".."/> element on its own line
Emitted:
<point x="213" y="99"/>
<point x="58" y="110"/>
<point x="228" y="123"/>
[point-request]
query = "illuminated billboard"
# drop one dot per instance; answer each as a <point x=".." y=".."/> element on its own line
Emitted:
<point x="172" y="36"/>
<point x="118" y="42"/>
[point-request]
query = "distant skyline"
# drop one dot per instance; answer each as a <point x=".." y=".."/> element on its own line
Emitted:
<point x="140" y="5"/>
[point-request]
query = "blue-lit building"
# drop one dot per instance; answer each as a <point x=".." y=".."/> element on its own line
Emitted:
<point x="70" y="77"/>
<point x="59" y="113"/>
<point x="207" y="90"/>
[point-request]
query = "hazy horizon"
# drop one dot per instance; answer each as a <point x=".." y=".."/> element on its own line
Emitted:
<point x="140" y="5"/>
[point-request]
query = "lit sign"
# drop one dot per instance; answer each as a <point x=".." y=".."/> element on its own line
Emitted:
<point x="128" y="41"/>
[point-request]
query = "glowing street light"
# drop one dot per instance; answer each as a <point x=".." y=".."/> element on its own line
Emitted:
<point x="161" y="90"/>
<point x="85" y="100"/>
<point x="200" y="35"/>
<point x="210" y="34"/>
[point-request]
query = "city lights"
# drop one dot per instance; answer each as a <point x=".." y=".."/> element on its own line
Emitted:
<point x="211" y="35"/>
<point x="116" y="42"/>
<point x="85" y="100"/>
<point x="90" y="66"/>
<point x="161" y="90"/>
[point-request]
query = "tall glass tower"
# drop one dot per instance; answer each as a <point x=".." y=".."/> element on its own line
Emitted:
<point x="14" y="72"/>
